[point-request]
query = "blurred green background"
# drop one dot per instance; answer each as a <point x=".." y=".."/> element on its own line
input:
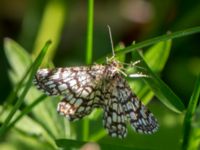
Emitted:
<point x="33" y="22"/>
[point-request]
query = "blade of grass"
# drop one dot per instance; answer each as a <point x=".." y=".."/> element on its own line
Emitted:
<point x="151" y="41"/>
<point x="25" y="111"/>
<point x="89" y="46"/>
<point x="98" y="135"/>
<point x="26" y="125"/>
<point x="34" y="141"/>
<point x="51" y="27"/>
<point x="70" y="144"/>
<point x="20" y="61"/>
<point x="156" y="57"/>
<point x="160" y="89"/>
<point x="9" y="46"/>
<point x="33" y="70"/>
<point x="159" y="39"/>
<point x="14" y="52"/>
<point x="190" y="113"/>
<point x="120" y="47"/>
<point x="89" y="42"/>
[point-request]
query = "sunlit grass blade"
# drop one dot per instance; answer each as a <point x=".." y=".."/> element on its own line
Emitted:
<point x="89" y="48"/>
<point x="165" y="37"/>
<point x="155" y="40"/>
<point x="156" y="58"/>
<point x="26" y="126"/>
<point x="14" y="52"/>
<point x="157" y="55"/>
<point x="160" y="89"/>
<point x="120" y="47"/>
<point x="19" y="58"/>
<point x="98" y="135"/>
<point x="16" y="56"/>
<point x="32" y="72"/>
<point x="89" y="42"/>
<point x="190" y="113"/>
<point x="25" y="111"/>
<point x="51" y="27"/>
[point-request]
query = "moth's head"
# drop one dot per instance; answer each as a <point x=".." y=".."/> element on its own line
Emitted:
<point x="114" y="62"/>
<point x="113" y="66"/>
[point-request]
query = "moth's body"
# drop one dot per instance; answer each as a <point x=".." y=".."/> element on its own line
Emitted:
<point x="85" y="88"/>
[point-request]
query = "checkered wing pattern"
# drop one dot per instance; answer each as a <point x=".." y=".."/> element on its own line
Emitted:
<point x="140" y="118"/>
<point x="79" y="86"/>
<point x="85" y="88"/>
<point x="121" y="106"/>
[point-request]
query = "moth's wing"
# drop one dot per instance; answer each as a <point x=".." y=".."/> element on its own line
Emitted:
<point x="78" y="85"/>
<point x="114" y="119"/>
<point x="73" y="109"/>
<point x="79" y="81"/>
<point x="121" y="106"/>
<point x="140" y="118"/>
<point x="79" y="107"/>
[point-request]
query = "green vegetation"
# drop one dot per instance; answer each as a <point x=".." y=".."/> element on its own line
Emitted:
<point x="28" y="117"/>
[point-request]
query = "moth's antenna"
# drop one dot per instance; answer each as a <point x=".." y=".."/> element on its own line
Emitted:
<point x="111" y="41"/>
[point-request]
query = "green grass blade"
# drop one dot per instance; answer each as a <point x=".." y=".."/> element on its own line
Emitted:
<point x="98" y="135"/>
<point x="68" y="144"/>
<point x="28" y="127"/>
<point x="89" y="47"/>
<point x="14" y="52"/>
<point x="26" y="110"/>
<point x="156" y="57"/>
<point x="120" y="47"/>
<point x="45" y="118"/>
<point x="89" y="43"/>
<point x="190" y="113"/>
<point x="51" y="28"/>
<point x="165" y="37"/>
<point x="155" y="40"/>
<point x="34" y="67"/>
<point x="160" y="89"/>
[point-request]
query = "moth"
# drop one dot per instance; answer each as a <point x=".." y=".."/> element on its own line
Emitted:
<point x="85" y="88"/>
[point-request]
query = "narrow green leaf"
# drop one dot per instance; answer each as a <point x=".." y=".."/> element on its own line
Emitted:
<point x="89" y="47"/>
<point x="16" y="55"/>
<point x="98" y="135"/>
<point x="160" y="89"/>
<point x="18" y="58"/>
<point x="25" y="111"/>
<point x="120" y="47"/>
<point x="26" y="124"/>
<point x="51" y="28"/>
<point x="68" y="144"/>
<point x="89" y="42"/>
<point x="165" y="37"/>
<point x="155" y="40"/>
<point x="45" y="118"/>
<point x="190" y="113"/>
<point x="156" y="57"/>
<point x="34" y="67"/>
